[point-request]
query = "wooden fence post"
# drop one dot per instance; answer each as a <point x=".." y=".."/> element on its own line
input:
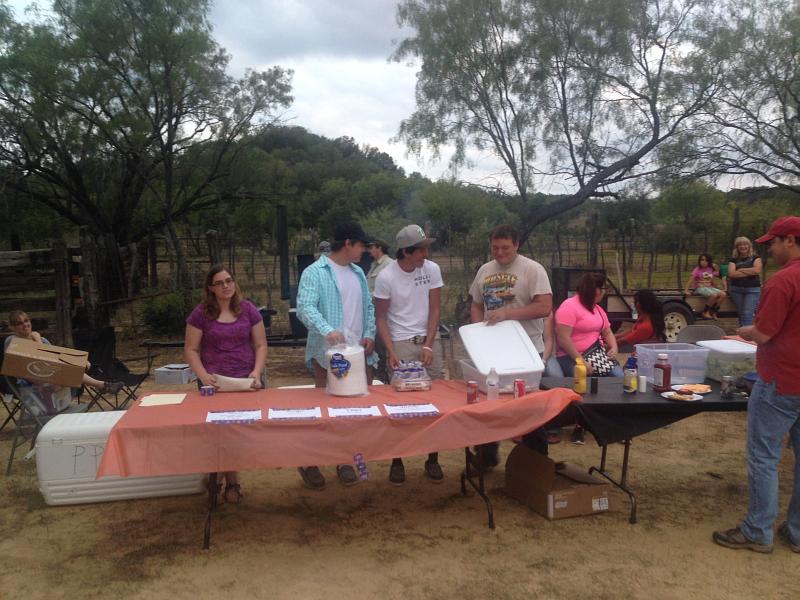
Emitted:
<point x="61" y="263"/>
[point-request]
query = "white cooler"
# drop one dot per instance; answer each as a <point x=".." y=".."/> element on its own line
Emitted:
<point x="68" y="452"/>
<point x="505" y="346"/>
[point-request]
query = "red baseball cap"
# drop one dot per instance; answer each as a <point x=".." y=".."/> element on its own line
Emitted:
<point x="782" y="227"/>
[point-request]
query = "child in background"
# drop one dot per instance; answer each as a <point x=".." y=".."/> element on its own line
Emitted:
<point x="702" y="282"/>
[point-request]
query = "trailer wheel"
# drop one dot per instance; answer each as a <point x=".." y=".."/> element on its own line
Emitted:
<point x="676" y="317"/>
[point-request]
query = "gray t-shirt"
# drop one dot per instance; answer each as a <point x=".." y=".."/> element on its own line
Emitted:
<point x="513" y="285"/>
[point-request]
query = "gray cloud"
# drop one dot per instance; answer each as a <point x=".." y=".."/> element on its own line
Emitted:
<point x="276" y="30"/>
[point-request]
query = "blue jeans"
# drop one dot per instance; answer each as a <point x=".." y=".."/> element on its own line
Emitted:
<point x="568" y="367"/>
<point x="746" y="300"/>
<point x="769" y="418"/>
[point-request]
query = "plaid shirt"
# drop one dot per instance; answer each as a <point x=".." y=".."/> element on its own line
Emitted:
<point x="319" y="307"/>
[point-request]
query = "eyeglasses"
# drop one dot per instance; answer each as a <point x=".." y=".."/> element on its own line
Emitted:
<point x="223" y="282"/>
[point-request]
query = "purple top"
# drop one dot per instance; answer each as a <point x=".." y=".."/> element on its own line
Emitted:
<point x="226" y="348"/>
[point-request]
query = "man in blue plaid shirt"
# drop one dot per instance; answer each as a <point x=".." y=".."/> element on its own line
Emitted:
<point x="333" y="299"/>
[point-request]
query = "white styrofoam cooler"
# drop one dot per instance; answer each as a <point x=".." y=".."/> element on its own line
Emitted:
<point x="68" y="452"/>
<point x="176" y="373"/>
<point x="729" y="357"/>
<point x="505" y="346"/>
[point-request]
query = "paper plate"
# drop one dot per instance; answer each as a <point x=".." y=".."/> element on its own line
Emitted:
<point x="668" y="396"/>
<point x="677" y="387"/>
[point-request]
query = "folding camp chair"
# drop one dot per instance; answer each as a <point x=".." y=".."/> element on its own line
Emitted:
<point x="102" y="348"/>
<point x="700" y="332"/>
<point x="38" y="404"/>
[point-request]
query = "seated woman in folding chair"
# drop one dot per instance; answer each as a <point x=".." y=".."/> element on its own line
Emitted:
<point x="225" y="336"/>
<point x="20" y="323"/>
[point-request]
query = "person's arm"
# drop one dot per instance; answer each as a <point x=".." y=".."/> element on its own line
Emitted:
<point x="548" y="337"/>
<point x="752" y="334"/>
<point x="191" y="352"/>
<point x="434" y="312"/>
<point x="307" y="311"/>
<point x="564" y="337"/>
<point x="687" y="289"/>
<point x="475" y="312"/>
<point x="381" y="310"/>
<point x="540" y="306"/>
<point x="258" y="338"/>
<point x="611" y="342"/>
<point x="746" y="271"/>
<point x="36" y="337"/>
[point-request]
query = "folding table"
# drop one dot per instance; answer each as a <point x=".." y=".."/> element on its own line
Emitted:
<point x="613" y="416"/>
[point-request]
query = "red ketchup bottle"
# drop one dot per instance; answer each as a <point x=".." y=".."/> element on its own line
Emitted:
<point x="662" y="374"/>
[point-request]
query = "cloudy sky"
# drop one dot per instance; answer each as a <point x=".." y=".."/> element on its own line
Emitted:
<point x="344" y="83"/>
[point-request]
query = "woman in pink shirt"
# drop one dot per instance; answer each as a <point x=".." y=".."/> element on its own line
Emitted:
<point x="580" y="322"/>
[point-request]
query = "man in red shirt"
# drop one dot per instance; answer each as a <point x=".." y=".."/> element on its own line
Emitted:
<point x="774" y="405"/>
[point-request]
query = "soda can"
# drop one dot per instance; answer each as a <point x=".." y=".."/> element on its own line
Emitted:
<point x="519" y="388"/>
<point x="472" y="392"/>
<point x="726" y="387"/>
<point x="207" y="390"/>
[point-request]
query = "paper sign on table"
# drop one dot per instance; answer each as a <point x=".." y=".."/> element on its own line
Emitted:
<point x="403" y="411"/>
<point x="295" y="413"/>
<point x="354" y="411"/>
<point x="233" y="416"/>
<point x="162" y="399"/>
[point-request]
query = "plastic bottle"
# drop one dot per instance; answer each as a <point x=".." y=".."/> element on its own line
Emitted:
<point x="579" y="384"/>
<point x="630" y="376"/>
<point x="492" y="385"/>
<point x="662" y="374"/>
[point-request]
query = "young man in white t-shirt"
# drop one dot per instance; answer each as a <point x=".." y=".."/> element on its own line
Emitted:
<point x="512" y="286"/>
<point x="408" y="295"/>
<point x="333" y="301"/>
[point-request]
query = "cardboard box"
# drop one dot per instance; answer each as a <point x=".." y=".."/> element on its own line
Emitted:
<point x="175" y="374"/>
<point x="44" y="363"/>
<point x="554" y="490"/>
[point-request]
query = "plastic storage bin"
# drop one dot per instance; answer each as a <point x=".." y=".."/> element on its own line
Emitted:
<point x="68" y="452"/>
<point x="506" y="347"/>
<point x="729" y="357"/>
<point x="688" y="361"/>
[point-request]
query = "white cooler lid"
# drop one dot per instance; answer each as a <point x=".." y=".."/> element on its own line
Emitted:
<point x="728" y="346"/>
<point x="79" y="427"/>
<point x="505" y="346"/>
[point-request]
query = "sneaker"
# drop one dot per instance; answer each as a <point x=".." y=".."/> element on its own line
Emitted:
<point x="397" y="472"/>
<point x="346" y="474"/>
<point x="312" y="477"/>
<point x="553" y="438"/>
<point x="783" y="533"/>
<point x="434" y="471"/>
<point x="578" y="436"/>
<point x="735" y="539"/>
<point x="112" y="387"/>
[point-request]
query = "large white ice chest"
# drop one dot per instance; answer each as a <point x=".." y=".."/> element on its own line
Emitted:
<point x="508" y="348"/>
<point x="68" y="452"/>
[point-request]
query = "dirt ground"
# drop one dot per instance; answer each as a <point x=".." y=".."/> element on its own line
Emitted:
<point x="420" y="540"/>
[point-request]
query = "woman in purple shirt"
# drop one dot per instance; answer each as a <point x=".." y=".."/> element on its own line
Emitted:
<point x="225" y="336"/>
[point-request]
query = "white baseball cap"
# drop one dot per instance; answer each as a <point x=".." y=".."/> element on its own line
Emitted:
<point x="413" y="236"/>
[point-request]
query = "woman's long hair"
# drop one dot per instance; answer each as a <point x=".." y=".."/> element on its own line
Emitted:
<point x="587" y="288"/>
<point x="210" y="304"/>
<point x="738" y="241"/>
<point x="709" y="260"/>
<point x="651" y="306"/>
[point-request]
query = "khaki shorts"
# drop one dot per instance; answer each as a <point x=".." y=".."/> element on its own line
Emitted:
<point x="405" y="350"/>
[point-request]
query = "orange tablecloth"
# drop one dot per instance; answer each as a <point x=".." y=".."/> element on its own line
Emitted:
<point x="175" y="439"/>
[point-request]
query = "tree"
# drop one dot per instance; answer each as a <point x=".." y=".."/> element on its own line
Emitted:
<point x="752" y="126"/>
<point x="119" y="116"/>
<point x="597" y="85"/>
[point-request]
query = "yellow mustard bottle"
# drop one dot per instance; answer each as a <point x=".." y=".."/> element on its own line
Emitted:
<point x="579" y="384"/>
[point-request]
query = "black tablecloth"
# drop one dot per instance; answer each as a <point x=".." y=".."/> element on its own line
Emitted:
<point x="613" y="416"/>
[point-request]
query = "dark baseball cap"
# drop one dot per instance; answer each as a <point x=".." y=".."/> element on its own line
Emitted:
<point x="350" y="231"/>
<point x="780" y="228"/>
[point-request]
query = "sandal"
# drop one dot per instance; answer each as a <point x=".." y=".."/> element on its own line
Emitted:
<point x="233" y="493"/>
